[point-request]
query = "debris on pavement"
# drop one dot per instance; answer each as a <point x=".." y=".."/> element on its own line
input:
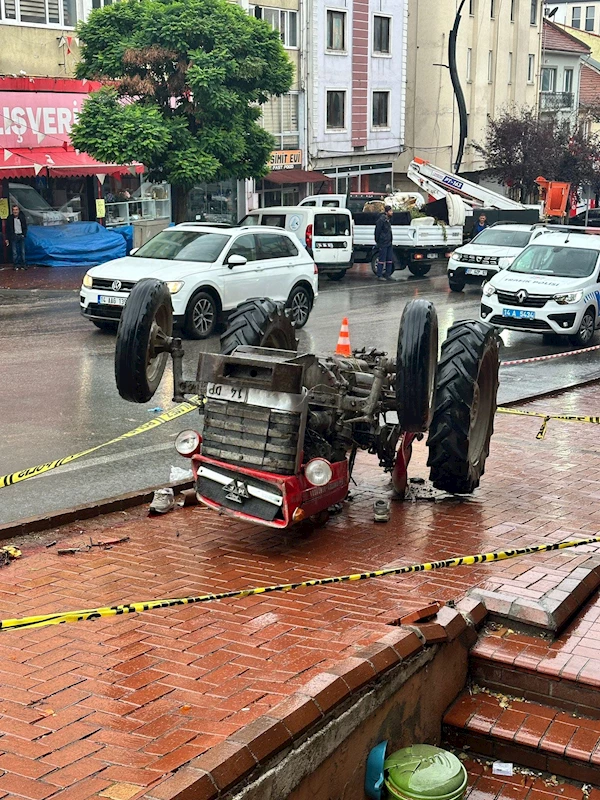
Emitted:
<point x="67" y="551"/>
<point x="7" y="553"/>
<point x="51" y="544"/>
<point x="178" y="474"/>
<point x="502" y="768"/>
<point x="156" y="410"/>
<point x="163" y="501"/>
<point x="188" y="498"/>
<point x="381" y="510"/>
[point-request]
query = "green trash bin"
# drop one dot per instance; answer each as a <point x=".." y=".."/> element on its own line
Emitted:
<point x="424" y="772"/>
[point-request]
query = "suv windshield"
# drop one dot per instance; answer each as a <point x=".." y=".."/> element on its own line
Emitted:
<point x="502" y="238"/>
<point x="184" y="246"/>
<point x="561" y="262"/>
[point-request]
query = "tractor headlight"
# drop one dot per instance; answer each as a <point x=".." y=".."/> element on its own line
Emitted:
<point x="570" y="297"/>
<point x="488" y="290"/>
<point x="174" y="286"/>
<point x="87" y="280"/>
<point x="318" y="472"/>
<point x="187" y="443"/>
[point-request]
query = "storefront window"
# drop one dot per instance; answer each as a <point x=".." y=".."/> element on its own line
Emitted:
<point x="273" y="194"/>
<point x="213" y="202"/>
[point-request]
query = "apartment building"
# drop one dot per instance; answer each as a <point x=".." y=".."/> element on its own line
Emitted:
<point x="563" y="59"/>
<point x="582" y="16"/>
<point x="498" y="57"/>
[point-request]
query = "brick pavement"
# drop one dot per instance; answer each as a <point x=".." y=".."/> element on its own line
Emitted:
<point x="86" y="708"/>
<point x="42" y="278"/>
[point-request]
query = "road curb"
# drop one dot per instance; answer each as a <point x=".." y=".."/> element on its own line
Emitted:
<point x="88" y="511"/>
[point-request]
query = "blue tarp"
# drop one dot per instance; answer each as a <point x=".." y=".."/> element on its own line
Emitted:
<point x="78" y="244"/>
<point x="127" y="232"/>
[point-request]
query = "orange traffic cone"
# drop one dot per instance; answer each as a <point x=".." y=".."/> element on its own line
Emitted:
<point x="343" y="345"/>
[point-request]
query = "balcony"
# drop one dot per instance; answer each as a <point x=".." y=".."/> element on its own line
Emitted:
<point x="556" y="101"/>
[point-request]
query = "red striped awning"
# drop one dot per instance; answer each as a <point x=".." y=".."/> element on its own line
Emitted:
<point x="58" y="163"/>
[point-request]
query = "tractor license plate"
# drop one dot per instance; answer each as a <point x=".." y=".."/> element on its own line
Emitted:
<point x="481" y="272"/>
<point x="432" y="255"/>
<point x="107" y="300"/>
<point x="518" y="313"/>
<point x="221" y="391"/>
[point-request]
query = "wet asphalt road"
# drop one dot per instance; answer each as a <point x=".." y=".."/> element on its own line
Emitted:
<point x="58" y="394"/>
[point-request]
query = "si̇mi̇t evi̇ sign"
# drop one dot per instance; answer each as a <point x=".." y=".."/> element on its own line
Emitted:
<point x="27" y="118"/>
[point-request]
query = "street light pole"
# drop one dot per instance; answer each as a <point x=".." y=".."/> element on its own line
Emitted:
<point x="458" y="92"/>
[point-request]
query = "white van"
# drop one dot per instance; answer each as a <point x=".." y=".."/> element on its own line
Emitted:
<point x="325" y="232"/>
<point x="552" y="287"/>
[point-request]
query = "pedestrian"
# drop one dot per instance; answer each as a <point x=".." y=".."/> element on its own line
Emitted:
<point x="479" y="226"/>
<point x="383" y="240"/>
<point x="16" y="231"/>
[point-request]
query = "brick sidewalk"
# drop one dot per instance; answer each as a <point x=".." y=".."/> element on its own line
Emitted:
<point x="64" y="278"/>
<point x="129" y="700"/>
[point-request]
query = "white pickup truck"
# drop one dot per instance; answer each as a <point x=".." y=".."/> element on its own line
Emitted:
<point x="417" y="244"/>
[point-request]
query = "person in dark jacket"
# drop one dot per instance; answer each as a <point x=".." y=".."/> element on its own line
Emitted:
<point x="383" y="240"/>
<point x="479" y="226"/>
<point x="16" y="231"/>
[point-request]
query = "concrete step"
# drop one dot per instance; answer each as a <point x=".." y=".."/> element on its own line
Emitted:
<point x="529" y="734"/>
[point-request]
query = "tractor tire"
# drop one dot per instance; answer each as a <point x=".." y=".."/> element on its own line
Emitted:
<point x="147" y="311"/>
<point x="416" y="363"/>
<point x="259" y="323"/>
<point x="464" y="408"/>
<point x="419" y="269"/>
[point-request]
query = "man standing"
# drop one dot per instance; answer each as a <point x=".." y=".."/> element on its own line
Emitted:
<point x="479" y="226"/>
<point x="383" y="240"/>
<point x="16" y="231"/>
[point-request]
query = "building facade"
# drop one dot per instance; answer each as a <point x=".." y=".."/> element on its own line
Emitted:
<point x="563" y="58"/>
<point x="499" y="48"/>
<point x="584" y="16"/>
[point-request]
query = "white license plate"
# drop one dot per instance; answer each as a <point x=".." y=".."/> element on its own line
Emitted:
<point x="518" y="313"/>
<point x="432" y="255"/>
<point x="107" y="300"/>
<point x="481" y="272"/>
<point x="222" y="391"/>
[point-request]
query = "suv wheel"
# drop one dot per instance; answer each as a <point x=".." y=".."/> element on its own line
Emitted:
<point x="201" y="316"/>
<point x="300" y="304"/>
<point x="455" y="286"/>
<point x="585" y="334"/>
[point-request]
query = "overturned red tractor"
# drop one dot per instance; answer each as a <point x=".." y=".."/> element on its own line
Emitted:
<point x="281" y="428"/>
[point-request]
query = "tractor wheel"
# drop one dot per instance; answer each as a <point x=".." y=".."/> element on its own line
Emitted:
<point x="146" y="321"/>
<point x="465" y="405"/>
<point x="419" y="268"/>
<point x="259" y="323"/>
<point x="416" y="363"/>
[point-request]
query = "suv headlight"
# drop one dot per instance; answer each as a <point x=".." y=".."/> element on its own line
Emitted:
<point x="570" y="297"/>
<point x="488" y="290"/>
<point x="87" y="280"/>
<point x="505" y="261"/>
<point x="174" y="286"/>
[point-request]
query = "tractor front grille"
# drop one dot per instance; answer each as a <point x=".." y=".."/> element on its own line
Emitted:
<point x="251" y="436"/>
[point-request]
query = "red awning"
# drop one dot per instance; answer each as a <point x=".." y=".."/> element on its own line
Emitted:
<point x="296" y="176"/>
<point x="58" y="163"/>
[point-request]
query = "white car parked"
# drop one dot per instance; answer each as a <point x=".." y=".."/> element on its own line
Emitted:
<point x="493" y="249"/>
<point x="552" y="288"/>
<point x="208" y="271"/>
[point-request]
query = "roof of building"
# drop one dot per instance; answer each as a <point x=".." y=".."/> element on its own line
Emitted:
<point x="589" y="86"/>
<point x="591" y="39"/>
<point x="557" y="38"/>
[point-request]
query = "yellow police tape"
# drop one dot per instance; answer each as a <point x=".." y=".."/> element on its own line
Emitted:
<point x="547" y="417"/>
<point x="167" y="416"/>
<point x="60" y="617"/>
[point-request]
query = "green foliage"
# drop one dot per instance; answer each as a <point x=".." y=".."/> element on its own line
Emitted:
<point x="187" y="81"/>
<point x="521" y="147"/>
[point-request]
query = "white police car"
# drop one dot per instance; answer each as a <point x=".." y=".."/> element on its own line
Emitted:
<point x="552" y="287"/>
<point x="493" y="249"/>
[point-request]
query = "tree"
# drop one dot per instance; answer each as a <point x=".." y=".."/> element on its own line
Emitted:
<point x="521" y="147"/>
<point x="185" y="82"/>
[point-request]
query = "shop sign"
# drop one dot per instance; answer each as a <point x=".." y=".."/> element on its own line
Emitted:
<point x="28" y="119"/>
<point x="286" y="159"/>
<point x="3" y="207"/>
<point x="100" y="208"/>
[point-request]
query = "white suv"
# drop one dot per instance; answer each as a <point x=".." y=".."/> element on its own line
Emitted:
<point x="552" y="288"/>
<point x="208" y="271"/>
<point x="493" y="249"/>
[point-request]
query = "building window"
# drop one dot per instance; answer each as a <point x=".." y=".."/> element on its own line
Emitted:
<point x="490" y="65"/>
<point x="381" y="109"/>
<point x="510" y="67"/>
<point x="568" y="80"/>
<point x="381" y="35"/>
<point x="280" y="118"/>
<point x="336" y="110"/>
<point x="471" y="8"/>
<point x="576" y="17"/>
<point x="589" y="18"/>
<point x="512" y="10"/>
<point x="492" y="9"/>
<point x="286" y="22"/>
<point x="533" y="15"/>
<point x="469" y="62"/>
<point x="101" y="3"/>
<point x="41" y="12"/>
<point x="548" y="82"/>
<point x="530" y="68"/>
<point x="336" y="30"/>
